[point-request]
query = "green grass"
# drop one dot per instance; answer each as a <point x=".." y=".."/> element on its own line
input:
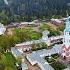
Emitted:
<point x="7" y="62"/>
<point x="52" y="31"/>
<point x="19" y="36"/>
<point x="29" y="33"/>
<point x="55" y="56"/>
<point x="39" y="46"/>
<point x="53" y="61"/>
<point x="58" y="65"/>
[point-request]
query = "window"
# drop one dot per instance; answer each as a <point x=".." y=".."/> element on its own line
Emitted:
<point x="64" y="39"/>
<point x="69" y="41"/>
<point x="65" y="33"/>
<point x="69" y="33"/>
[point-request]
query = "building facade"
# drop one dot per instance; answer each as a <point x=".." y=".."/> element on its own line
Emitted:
<point x="45" y="37"/>
<point x="66" y="41"/>
<point x="2" y="29"/>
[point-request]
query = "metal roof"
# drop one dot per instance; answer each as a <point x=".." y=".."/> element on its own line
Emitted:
<point x="15" y="52"/>
<point x="67" y="69"/>
<point x="24" y="66"/>
<point x="37" y="57"/>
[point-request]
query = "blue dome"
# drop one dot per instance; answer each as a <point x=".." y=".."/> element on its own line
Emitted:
<point x="67" y="30"/>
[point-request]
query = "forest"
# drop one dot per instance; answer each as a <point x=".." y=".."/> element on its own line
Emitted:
<point x="27" y="10"/>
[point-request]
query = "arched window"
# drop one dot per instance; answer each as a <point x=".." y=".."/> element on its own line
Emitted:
<point x="69" y="41"/>
<point x="69" y="33"/>
<point x="64" y="40"/>
<point x="65" y="57"/>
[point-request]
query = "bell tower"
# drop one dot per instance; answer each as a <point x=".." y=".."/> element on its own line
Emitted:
<point x="66" y="41"/>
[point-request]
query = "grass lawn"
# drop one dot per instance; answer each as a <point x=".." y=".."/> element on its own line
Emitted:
<point x="30" y="33"/>
<point x="7" y="62"/>
<point x="52" y="29"/>
<point x="58" y="65"/>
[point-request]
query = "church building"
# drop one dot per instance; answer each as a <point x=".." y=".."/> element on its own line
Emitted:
<point x="66" y="41"/>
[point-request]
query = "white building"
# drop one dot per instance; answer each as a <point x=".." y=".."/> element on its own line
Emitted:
<point x="56" y="20"/>
<point x="66" y="40"/>
<point x="45" y="37"/>
<point x="24" y="66"/>
<point x="2" y="29"/>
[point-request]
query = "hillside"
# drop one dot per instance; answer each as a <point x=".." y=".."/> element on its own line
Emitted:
<point x="34" y="8"/>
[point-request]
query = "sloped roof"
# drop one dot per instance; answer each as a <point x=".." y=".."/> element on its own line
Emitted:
<point x="24" y="66"/>
<point x="15" y="52"/>
<point x="67" y="69"/>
